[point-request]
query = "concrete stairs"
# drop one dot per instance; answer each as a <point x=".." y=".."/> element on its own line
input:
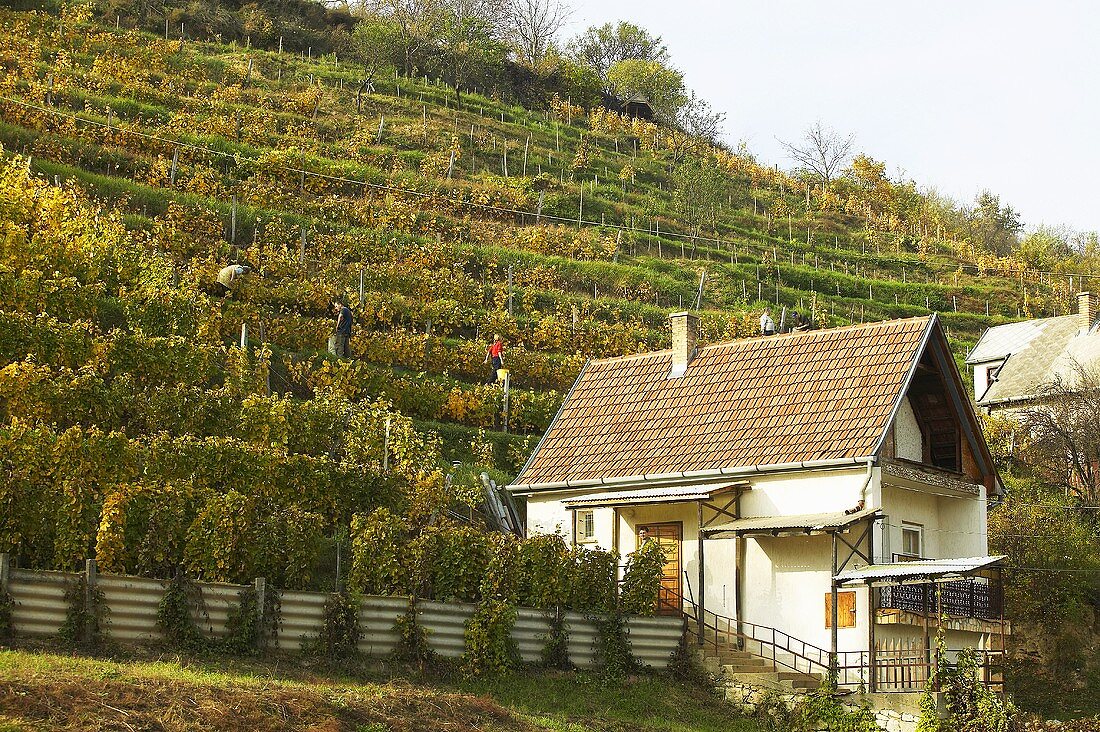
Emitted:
<point x="737" y="666"/>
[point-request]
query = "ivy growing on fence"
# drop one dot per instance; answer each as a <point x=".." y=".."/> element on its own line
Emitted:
<point x="86" y="616"/>
<point x="175" y="615"/>
<point x="340" y="631"/>
<point x="412" y="637"/>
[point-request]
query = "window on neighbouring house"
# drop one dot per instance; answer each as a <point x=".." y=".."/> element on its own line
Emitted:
<point x="991" y="374"/>
<point x="912" y="540"/>
<point x="586" y="526"/>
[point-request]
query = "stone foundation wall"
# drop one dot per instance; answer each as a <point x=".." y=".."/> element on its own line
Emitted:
<point x="893" y="712"/>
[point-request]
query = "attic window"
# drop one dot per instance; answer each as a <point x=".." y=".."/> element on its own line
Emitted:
<point x="938" y="420"/>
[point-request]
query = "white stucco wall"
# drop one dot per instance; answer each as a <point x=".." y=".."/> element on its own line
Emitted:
<point x="908" y="440"/>
<point x="953" y="526"/>
<point x="785" y="579"/>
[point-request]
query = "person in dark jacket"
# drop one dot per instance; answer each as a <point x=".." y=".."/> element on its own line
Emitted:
<point x="340" y="343"/>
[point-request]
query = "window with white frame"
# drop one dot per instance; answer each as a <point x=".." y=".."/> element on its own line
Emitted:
<point x="912" y="540"/>
<point x="586" y="526"/>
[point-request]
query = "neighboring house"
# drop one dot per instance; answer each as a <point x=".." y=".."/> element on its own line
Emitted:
<point x="1014" y="363"/>
<point x="774" y="470"/>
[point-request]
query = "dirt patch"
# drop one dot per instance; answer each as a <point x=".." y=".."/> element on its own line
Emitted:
<point x="160" y="705"/>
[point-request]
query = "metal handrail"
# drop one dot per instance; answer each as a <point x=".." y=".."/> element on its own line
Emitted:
<point x="727" y="629"/>
<point x="719" y="630"/>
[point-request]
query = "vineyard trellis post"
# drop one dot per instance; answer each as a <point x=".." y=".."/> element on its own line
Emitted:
<point x="507" y="399"/>
<point x="175" y="166"/>
<point x="386" y="446"/>
<point x="509" y="289"/>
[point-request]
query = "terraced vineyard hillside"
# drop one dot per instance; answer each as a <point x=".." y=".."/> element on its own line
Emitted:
<point x="136" y="167"/>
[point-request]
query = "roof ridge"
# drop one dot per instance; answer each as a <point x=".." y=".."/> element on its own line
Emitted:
<point x="807" y="333"/>
<point x="772" y="338"/>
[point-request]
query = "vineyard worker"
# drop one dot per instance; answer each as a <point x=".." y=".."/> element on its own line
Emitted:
<point x="339" y="344"/>
<point x="495" y="353"/>
<point x="228" y="275"/>
<point x="767" y="325"/>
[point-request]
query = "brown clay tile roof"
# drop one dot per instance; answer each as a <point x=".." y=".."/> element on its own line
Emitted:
<point x="791" y="398"/>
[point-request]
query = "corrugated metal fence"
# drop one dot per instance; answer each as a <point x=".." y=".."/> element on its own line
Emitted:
<point x="40" y="607"/>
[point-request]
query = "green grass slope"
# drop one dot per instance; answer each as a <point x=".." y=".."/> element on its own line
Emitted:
<point x="46" y="691"/>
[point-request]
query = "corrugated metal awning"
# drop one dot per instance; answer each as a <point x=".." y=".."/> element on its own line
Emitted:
<point x="786" y="525"/>
<point x="677" y="494"/>
<point x="921" y="571"/>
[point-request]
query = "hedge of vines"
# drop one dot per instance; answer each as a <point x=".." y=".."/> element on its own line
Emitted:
<point x="456" y="563"/>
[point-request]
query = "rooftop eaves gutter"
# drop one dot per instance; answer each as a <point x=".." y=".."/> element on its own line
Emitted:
<point x="655" y="479"/>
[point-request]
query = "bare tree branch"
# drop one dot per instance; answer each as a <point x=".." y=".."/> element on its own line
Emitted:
<point x="1065" y="434"/>
<point x="822" y="151"/>
<point x="535" y="24"/>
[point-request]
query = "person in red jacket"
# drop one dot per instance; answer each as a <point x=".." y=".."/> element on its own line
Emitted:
<point x="495" y="354"/>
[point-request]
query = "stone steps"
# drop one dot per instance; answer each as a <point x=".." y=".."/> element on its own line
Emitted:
<point x="784" y="681"/>
<point x="742" y="667"/>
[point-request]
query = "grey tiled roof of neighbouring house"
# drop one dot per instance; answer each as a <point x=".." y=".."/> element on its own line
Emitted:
<point x="1003" y="340"/>
<point x="1055" y="352"/>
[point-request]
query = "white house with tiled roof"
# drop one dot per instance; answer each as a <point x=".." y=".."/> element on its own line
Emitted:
<point x="788" y="477"/>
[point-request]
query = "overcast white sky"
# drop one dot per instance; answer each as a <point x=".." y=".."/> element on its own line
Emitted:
<point x="957" y="95"/>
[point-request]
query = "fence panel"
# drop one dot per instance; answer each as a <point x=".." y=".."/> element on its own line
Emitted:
<point x="39" y="599"/>
<point x="582" y="640"/>
<point x="300" y="617"/>
<point x="217" y="601"/>
<point x="653" y="640"/>
<point x="376" y="619"/>
<point x="134" y="602"/>
<point x="446" y="626"/>
<point x="530" y="633"/>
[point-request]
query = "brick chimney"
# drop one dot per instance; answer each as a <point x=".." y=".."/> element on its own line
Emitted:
<point x="685" y="332"/>
<point x="1088" y="308"/>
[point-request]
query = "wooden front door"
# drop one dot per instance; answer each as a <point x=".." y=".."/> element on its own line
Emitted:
<point x="669" y="536"/>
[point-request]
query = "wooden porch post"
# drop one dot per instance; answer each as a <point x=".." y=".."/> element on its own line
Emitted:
<point x="1004" y="649"/>
<point x="615" y="539"/>
<point x="927" y="636"/>
<point x="835" y="616"/>
<point x="738" y="570"/>
<point x="939" y="626"/>
<point x="702" y="589"/>
<point x="872" y="681"/>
